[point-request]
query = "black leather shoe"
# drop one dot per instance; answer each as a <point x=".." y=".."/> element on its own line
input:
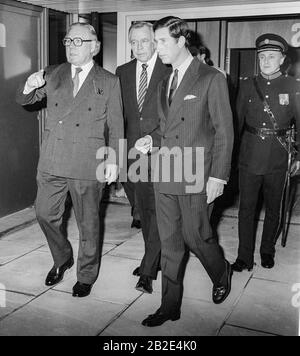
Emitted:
<point x="240" y="265"/>
<point x="220" y="292"/>
<point x="56" y="274"/>
<point x="159" y="318"/>
<point x="136" y="272"/>
<point x="81" y="289"/>
<point x="136" y="223"/>
<point x="267" y="261"/>
<point x="144" y="285"/>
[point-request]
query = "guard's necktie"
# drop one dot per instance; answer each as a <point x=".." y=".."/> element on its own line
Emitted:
<point x="142" y="87"/>
<point x="76" y="81"/>
<point x="173" y="86"/>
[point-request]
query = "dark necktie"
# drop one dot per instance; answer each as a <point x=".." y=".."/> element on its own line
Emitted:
<point x="76" y="81"/>
<point x="173" y="86"/>
<point x="142" y="87"/>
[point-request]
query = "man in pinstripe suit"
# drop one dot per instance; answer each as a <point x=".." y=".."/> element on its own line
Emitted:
<point x="194" y="112"/>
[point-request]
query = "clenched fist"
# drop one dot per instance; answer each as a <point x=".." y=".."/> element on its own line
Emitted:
<point x="36" y="80"/>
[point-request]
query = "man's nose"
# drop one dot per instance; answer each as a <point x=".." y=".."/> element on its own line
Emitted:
<point x="140" y="45"/>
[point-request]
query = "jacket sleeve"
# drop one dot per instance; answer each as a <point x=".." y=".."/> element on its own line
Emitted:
<point x="115" y="118"/>
<point x="221" y="116"/>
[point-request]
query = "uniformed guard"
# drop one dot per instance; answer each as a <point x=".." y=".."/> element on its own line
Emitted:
<point x="267" y="105"/>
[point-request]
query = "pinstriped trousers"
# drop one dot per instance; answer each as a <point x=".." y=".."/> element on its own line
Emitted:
<point x="183" y="223"/>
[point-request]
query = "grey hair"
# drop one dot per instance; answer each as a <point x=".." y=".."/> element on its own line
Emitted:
<point x="92" y="32"/>
<point x="140" y="24"/>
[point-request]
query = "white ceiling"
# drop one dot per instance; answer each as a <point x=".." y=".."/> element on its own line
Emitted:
<point x="87" y="6"/>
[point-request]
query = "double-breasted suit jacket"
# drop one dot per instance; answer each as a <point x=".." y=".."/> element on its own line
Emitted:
<point x="199" y="116"/>
<point x="74" y="127"/>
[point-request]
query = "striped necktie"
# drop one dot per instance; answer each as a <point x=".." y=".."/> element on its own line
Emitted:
<point x="173" y="86"/>
<point x="76" y="81"/>
<point x="142" y="87"/>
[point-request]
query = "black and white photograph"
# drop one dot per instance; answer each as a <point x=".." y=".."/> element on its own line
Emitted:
<point x="149" y="171"/>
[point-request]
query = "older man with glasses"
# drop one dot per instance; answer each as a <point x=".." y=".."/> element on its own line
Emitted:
<point x="82" y="101"/>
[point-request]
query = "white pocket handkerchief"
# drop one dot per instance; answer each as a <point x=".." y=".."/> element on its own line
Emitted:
<point x="189" y="97"/>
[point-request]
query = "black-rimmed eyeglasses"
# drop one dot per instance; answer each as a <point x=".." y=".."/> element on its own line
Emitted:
<point x="77" y="41"/>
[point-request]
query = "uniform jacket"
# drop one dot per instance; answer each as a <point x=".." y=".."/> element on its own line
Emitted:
<point x="199" y="117"/>
<point x="74" y="127"/>
<point x="139" y="125"/>
<point x="265" y="156"/>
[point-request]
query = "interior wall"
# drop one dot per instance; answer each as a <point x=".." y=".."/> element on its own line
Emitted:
<point x="19" y="129"/>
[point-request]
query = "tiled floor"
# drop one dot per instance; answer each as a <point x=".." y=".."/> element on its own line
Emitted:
<point x="260" y="302"/>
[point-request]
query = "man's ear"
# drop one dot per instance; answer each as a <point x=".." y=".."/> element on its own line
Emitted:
<point x="181" y="41"/>
<point x="282" y="59"/>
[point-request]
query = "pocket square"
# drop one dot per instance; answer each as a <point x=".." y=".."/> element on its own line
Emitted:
<point x="189" y="97"/>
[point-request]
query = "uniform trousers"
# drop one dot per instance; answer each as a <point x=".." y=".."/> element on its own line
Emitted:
<point x="183" y="223"/>
<point x="272" y="186"/>
<point x="50" y="207"/>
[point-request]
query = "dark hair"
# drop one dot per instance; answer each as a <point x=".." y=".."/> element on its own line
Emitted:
<point x="177" y="28"/>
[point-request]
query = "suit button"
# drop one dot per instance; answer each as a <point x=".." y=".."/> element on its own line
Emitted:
<point x="56" y="104"/>
<point x="60" y="122"/>
<point x="90" y="109"/>
<point x="182" y="119"/>
<point x="141" y="118"/>
<point x="177" y="136"/>
<point x="77" y="125"/>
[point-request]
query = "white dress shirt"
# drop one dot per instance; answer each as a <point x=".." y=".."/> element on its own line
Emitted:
<point x="84" y="73"/>
<point x="139" y="68"/>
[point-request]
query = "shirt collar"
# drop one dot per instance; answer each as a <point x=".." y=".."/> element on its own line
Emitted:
<point x="184" y="65"/>
<point x="150" y="63"/>
<point x="85" y="68"/>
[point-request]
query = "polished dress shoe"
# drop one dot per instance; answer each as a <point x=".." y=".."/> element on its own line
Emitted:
<point x="81" y="289"/>
<point x="136" y="223"/>
<point x="144" y="284"/>
<point x="136" y="272"/>
<point x="240" y="265"/>
<point x="220" y="292"/>
<point x="267" y="261"/>
<point x="56" y="274"/>
<point x="159" y="318"/>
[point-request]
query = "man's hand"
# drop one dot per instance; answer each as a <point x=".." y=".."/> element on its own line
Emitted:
<point x="295" y="167"/>
<point x="111" y="173"/>
<point x="144" y="144"/>
<point x="36" y="80"/>
<point x="213" y="190"/>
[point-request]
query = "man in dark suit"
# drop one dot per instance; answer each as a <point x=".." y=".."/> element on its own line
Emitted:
<point x="196" y="134"/>
<point x="82" y="100"/>
<point x="263" y="154"/>
<point x="139" y="79"/>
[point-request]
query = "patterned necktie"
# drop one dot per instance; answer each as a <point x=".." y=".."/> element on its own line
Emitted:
<point x="76" y="81"/>
<point x="142" y="87"/>
<point x="173" y="86"/>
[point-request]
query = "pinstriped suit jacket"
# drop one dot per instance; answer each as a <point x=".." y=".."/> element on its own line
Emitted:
<point x="75" y="127"/>
<point x="199" y="116"/>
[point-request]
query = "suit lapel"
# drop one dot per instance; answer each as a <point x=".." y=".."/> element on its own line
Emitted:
<point x="189" y="79"/>
<point x="131" y="79"/>
<point x="164" y="103"/>
<point x="157" y="75"/>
